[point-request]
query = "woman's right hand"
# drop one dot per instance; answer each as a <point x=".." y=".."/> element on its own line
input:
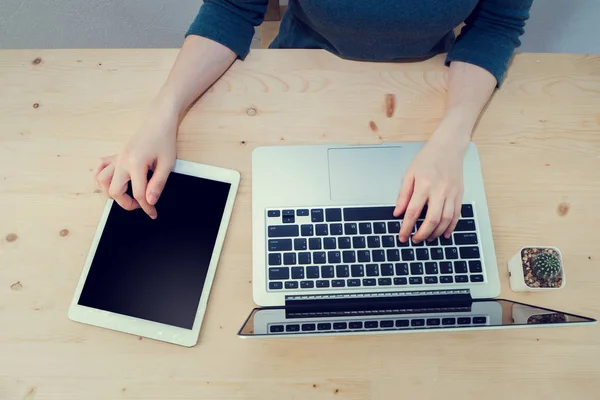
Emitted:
<point x="152" y="147"/>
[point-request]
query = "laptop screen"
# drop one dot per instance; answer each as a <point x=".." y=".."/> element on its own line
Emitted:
<point x="481" y="314"/>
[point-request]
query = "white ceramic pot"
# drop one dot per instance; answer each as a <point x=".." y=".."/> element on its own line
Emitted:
<point x="518" y="271"/>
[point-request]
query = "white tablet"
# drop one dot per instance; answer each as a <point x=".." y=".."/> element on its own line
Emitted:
<point x="152" y="278"/>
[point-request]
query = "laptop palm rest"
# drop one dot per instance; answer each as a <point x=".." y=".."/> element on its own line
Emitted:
<point x="367" y="174"/>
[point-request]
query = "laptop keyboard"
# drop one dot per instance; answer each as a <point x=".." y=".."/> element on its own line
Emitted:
<point x="354" y="247"/>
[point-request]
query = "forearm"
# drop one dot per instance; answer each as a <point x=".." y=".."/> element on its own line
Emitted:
<point x="469" y="89"/>
<point x="198" y="65"/>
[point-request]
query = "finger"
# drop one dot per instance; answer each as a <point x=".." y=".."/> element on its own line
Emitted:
<point x="413" y="211"/>
<point x="139" y="181"/>
<point x="452" y="226"/>
<point x="118" y="190"/>
<point x="102" y="164"/>
<point x="105" y="177"/>
<point x="406" y="192"/>
<point x="432" y="219"/>
<point x="447" y="218"/>
<point x="158" y="181"/>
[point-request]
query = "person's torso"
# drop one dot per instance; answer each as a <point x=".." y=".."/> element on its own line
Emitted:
<point x="374" y="29"/>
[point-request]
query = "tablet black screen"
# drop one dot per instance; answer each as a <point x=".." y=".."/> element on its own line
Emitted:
<point x="155" y="269"/>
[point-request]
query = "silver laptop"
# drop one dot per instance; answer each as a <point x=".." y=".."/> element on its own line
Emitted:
<point x="325" y="243"/>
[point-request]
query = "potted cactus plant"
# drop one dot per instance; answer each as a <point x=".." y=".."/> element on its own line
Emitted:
<point x="537" y="268"/>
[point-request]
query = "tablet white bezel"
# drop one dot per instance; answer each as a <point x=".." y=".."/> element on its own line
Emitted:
<point x="145" y="328"/>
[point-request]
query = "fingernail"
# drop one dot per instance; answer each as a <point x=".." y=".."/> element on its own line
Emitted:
<point x="152" y="198"/>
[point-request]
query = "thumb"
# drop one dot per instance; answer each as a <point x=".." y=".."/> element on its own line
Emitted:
<point x="405" y="194"/>
<point x="157" y="182"/>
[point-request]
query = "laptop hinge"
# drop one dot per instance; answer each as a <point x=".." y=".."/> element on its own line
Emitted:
<point x="422" y="301"/>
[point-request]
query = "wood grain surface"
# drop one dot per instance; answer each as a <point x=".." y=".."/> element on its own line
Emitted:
<point x="539" y="142"/>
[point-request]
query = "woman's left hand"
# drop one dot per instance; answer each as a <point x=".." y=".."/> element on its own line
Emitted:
<point x="435" y="179"/>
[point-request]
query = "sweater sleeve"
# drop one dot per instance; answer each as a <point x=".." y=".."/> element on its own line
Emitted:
<point x="229" y="22"/>
<point x="491" y="34"/>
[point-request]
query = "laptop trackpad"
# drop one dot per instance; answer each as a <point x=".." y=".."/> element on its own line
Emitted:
<point x="367" y="174"/>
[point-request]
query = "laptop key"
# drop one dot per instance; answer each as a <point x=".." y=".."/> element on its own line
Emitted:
<point x="329" y="243"/>
<point x="349" y="256"/>
<point x="291" y="285"/>
<point x="417" y="322"/>
<point x="379" y="227"/>
<point x="364" y="256"/>
<point x="319" y="257"/>
<point x="413" y="244"/>
<point x="357" y="270"/>
<point x="324" y="326"/>
<point x="299" y="244"/>
<point x="433" y="321"/>
<point x="288" y="213"/>
<point x="292" y="328"/>
<point x="446" y="279"/>
<point x="431" y="280"/>
<point x="350" y="228"/>
<point x="342" y="271"/>
<point x="273" y="213"/>
<point x="297" y="272"/>
<point x="307" y="230"/>
<point x="304" y="258"/>
<point x="371" y="324"/>
<point x="340" y="325"/>
<point x="274" y="258"/>
<point x="288" y="220"/>
<point x="333" y="214"/>
<point x="334" y="257"/>
<point x="316" y="215"/>
<point x="378" y="255"/>
<point x="466" y="211"/>
<point x="369" y="213"/>
<point x="372" y="270"/>
<point x="431" y="268"/>
<point x="408" y="254"/>
<point x="358" y="242"/>
<point x="353" y="282"/>
<point x="303" y="212"/>
<point x="289" y="258"/>
<point x="369" y="282"/>
<point x="415" y="280"/>
<point x="344" y="242"/>
<point x="460" y="267"/>
<point x="437" y="253"/>
<point x="432" y="243"/>
<point x="393" y="255"/>
<point x="373" y="242"/>
<point x="475" y="266"/>
<point x="451" y="253"/>
<point x="422" y="254"/>
<point x="446" y="267"/>
<point x="275" y="285"/>
<point x="464" y="225"/>
<point x="464" y="320"/>
<point x="400" y="281"/>
<point x="387" y="270"/>
<point x="416" y="268"/>
<point x="280" y="244"/>
<point x="476" y="278"/>
<point x="309" y="327"/>
<point x="448" y="321"/>
<point x="312" y="272"/>
<point x="276" y="231"/>
<point x="338" y="283"/>
<point x="465" y="238"/>
<point x="315" y="244"/>
<point x="388" y="323"/>
<point x="276" y="328"/>
<point x="461" y="278"/>
<point x="446" y="242"/>
<point x="322" y="284"/>
<point x="322" y="229"/>
<point x="327" y="271"/>
<point x="401" y="323"/>
<point x="364" y="228"/>
<point x="384" y="281"/>
<point x="401" y="244"/>
<point x="469" y="252"/>
<point x="336" y="229"/>
<point x="307" y="284"/>
<point x="355" y="325"/>
<point x="401" y="268"/>
<point x="479" y="320"/>
<point x="393" y="227"/>
<point x="388" y="241"/>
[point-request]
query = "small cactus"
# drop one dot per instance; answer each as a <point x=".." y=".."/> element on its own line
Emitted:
<point x="546" y="265"/>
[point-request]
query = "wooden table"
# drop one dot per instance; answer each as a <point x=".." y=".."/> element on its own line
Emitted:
<point x="60" y="110"/>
